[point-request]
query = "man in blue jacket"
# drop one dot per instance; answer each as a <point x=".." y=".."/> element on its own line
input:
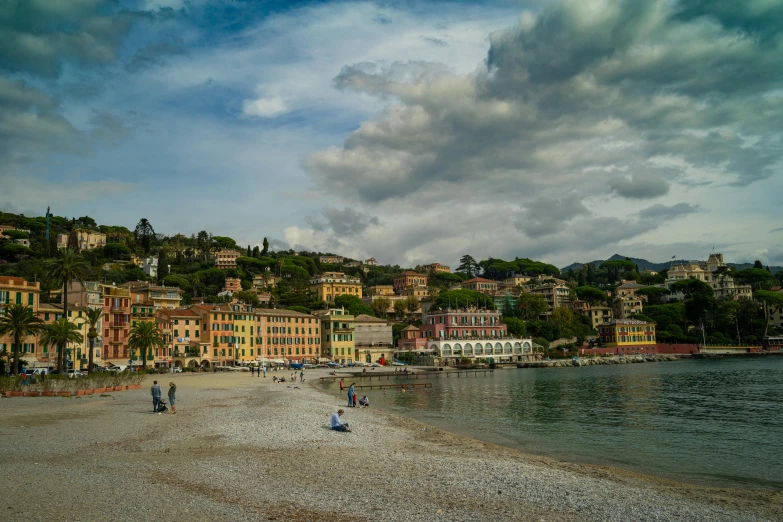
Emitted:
<point x="155" y="397"/>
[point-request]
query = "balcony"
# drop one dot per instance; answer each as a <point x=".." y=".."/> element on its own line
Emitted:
<point x="118" y="325"/>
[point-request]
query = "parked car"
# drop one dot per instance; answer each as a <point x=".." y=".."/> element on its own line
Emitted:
<point x="331" y="364"/>
<point x="73" y="374"/>
<point x="308" y="366"/>
<point x="176" y="369"/>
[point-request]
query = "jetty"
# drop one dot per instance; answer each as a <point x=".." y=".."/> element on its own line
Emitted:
<point x="380" y="386"/>
<point x="421" y="374"/>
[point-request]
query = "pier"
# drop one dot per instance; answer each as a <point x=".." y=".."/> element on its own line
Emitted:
<point x="426" y="374"/>
<point x="380" y="386"/>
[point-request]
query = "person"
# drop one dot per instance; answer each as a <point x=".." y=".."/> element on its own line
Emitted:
<point x="155" y="397"/>
<point x="364" y="371"/>
<point x="337" y="424"/>
<point x="342" y="385"/>
<point x="264" y="368"/>
<point x="172" y="397"/>
<point x="301" y="375"/>
<point x="364" y="401"/>
<point x="274" y="378"/>
<point x="351" y="395"/>
<point x="384" y="391"/>
<point x="402" y="388"/>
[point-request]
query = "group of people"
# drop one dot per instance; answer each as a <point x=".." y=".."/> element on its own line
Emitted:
<point x="258" y="371"/>
<point x="157" y="404"/>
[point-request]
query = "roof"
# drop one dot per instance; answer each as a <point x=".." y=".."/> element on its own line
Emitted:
<point x="280" y="311"/>
<point x="364" y="318"/>
<point x="631" y="284"/>
<point x="479" y="280"/>
<point x="178" y="312"/>
<point x="410" y="328"/>
<point x="411" y="272"/>
<point x="16" y="279"/>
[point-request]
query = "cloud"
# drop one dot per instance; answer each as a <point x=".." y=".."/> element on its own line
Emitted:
<point x="779" y="229"/>
<point x="634" y="188"/>
<point x="546" y="216"/>
<point x="264" y="107"/>
<point x="346" y="222"/>
<point x="667" y="212"/>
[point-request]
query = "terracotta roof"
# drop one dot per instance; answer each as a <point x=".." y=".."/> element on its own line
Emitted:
<point x="364" y="318"/>
<point x="8" y="279"/>
<point x="410" y="328"/>
<point x="179" y="312"/>
<point x="479" y="280"/>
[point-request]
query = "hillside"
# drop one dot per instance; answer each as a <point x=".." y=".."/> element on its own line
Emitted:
<point x="649" y="265"/>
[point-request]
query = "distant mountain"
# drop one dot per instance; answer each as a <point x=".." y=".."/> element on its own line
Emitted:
<point x="649" y="265"/>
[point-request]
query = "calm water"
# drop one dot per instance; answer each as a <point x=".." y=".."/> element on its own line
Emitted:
<point x="716" y="422"/>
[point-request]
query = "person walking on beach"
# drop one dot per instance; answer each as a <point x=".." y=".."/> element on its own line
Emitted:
<point x="173" y="397"/>
<point x="342" y="385"/>
<point x="155" y="390"/>
<point x="264" y="368"/>
<point x="338" y="424"/>
<point x="301" y="375"/>
<point x="351" y="395"/>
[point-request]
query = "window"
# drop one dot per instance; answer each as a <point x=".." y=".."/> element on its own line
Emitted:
<point x="18" y="297"/>
<point x="30" y="299"/>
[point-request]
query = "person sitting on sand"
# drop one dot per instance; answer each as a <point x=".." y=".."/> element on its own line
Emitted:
<point x="364" y="401"/>
<point x="402" y="389"/>
<point x="337" y="424"/>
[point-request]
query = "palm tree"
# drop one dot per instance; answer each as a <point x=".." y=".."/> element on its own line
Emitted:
<point x="93" y="316"/>
<point x="60" y="333"/>
<point x="62" y="272"/>
<point x="144" y="336"/>
<point x="19" y="322"/>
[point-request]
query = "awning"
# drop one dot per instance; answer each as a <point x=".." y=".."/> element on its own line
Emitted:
<point x="279" y="361"/>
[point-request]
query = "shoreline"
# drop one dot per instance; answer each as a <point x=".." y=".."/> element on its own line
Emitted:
<point x="242" y="447"/>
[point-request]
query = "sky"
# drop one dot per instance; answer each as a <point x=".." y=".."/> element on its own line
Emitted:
<point x="409" y="131"/>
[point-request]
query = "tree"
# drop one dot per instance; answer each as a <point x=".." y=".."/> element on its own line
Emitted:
<point x="463" y="298"/>
<point x="757" y="264"/>
<point x="266" y="247"/>
<point x="758" y="278"/>
<point x="699" y="299"/>
<point x="400" y="307"/>
<point x="247" y="297"/>
<point x="145" y="336"/>
<point x="353" y="304"/>
<point x="380" y="306"/>
<point x="62" y="272"/>
<point x="249" y="251"/>
<point x="93" y="317"/>
<point x="224" y="242"/>
<point x="654" y="294"/>
<point x="19" y="322"/>
<point x="116" y="251"/>
<point x="468" y="265"/>
<point x="772" y="301"/>
<point x="590" y="294"/>
<point x="144" y="233"/>
<point x="613" y="268"/>
<point x="508" y="309"/>
<point x="412" y="304"/>
<point x="515" y="326"/>
<point x="530" y="306"/>
<point x="60" y="333"/>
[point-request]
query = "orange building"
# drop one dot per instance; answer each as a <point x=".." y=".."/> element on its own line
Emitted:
<point x="408" y="278"/>
<point x="116" y="323"/>
<point x="226" y="259"/>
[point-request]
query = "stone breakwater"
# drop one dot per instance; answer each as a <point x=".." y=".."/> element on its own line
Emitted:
<point x="245" y="448"/>
<point x="597" y="361"/>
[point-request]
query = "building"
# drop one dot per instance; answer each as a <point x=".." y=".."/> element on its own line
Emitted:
<point x="380" y="291"/>
<point x="436" y="268"/>
<point x="226" y="258"/>
<point x="136" y="260"/>
<point x="286" y="335"/>
<point x="157" y="296"/>
<point x="408" y="278"/>
<point x="627" y="289"/>
<point x="331" y="260"/>
<point x="628" y="335"/>
<point x="625" y="307"/>
<point x="150" y="266"/>
<point x="454" y="334"/>
<point x="418" y="291"/>
<point x="233" y="284"/>
<point x="370" y="262"/>
<point x="515" y="281"/>
<point x="337" y="337"/>
<point x="479" y="284"/>
<point x="185" y="344"/>
<point x="21" y="241"/>
<point x="87" y="295"/>
<point x="84" y="239"/>
<point x="598" y="315"/>
<point x="329" y="285"/>
<point x="556" y="294"/>
<point x="712" y="272"/>
<point x="776" y="314"/>
<point x="373" y="338"/>
<point x="17" y="290"/>
<point x="116" y="323"/>
<point x="265" y="279"/>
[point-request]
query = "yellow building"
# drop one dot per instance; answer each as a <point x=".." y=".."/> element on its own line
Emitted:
<point x="17" y="290"/>
<point x="627" y="332"/>
<point x="329" y="285"/>
<point x="436" y="268"/>
<point x="624" y="307"/>
<point x="380" y="291"/>
<point x="337" y="340"/>
<point x="287" y="335"/>
<point x="598" y="315"/>
<point x="245" y="330"/>
<point x="418" y="291"/>
<point x="84" y="239"/>
<point x="143" y="293"/>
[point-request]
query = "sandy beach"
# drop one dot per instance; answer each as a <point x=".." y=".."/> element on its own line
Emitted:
<point x="245" y="448"/>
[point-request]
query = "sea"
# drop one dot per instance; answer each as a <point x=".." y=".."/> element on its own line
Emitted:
<point x="715" y="422"/>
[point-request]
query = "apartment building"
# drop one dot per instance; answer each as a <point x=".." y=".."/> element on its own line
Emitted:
<point x="627" y="289"/>
<point x="84" y="239"/>
<point x="370" y="262"/>
<point x="515" y="281"/>
<point x="337" y="335"/>
<point x="116" y="323"/>
<point x="711" y="272"/>
<point x="329" y="285"/>
<point x="408" y="278"/>
<point x="227" y="258"/>
<point x="265" y="280"/>
<point x="287" y="335"/>
<point x="17" y="290"/>
<point x="185" y="343"/>
<point x="625" y="307"/>
<point x="418" y="291"/>
<point x="556" y="294"/>
<point x="157" y="296"/>
<point x="479" y="284"/>
<point x="598" y="315"/>
<point x="380" y="291"/>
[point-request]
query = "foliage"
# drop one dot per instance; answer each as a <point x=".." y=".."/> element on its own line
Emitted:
<point x="515" y="326"/>
<point x="614" y="268"/>
<point x="301" y="309"/>
<point x="590" y="294"/>
<point x="145" y="234"/>
<point x="144" y="337"/>
<point x="380" y="305"/>
<point x="654" y="294"/>
<point x="463" y="298"/>
<point x="758" y="278"/>
<point x="247" y="297"/>
<point x="530" y="306"/>
<point x="60" y="333"/>
<point x="468" y="266"/>
<point x="353" y="305"/>
<point x="116" y="251"/>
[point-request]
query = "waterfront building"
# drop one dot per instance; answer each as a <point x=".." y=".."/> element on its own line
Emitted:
<point x="480" y="284"/>
<point x="628" y="335"/>
<point x="453" y="334"/>
<point x="337" y="338"/>
<point x="329" y="285"/>
<point x="408" y="278"/>
<point x="116" y="323"/>
<point x="287" y="335"/>
<point x="185" y="340"/>
<point x="219" y="322"/>
<point x="373" y="338"/>
<point x="84" y="239"/>
<point x="226" y="258"/>
<point x="436" y="268"/>
<point x="17" y="290"/>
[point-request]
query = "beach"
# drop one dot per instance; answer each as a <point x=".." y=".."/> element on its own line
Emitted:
<point x="246" y="448"/>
